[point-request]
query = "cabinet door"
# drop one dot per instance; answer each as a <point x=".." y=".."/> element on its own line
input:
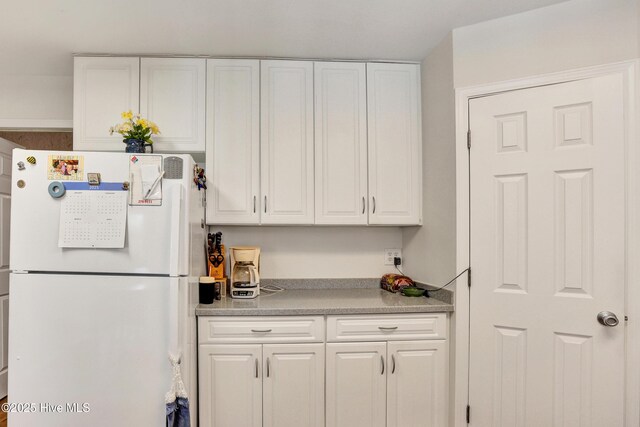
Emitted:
<point x="172" y="94"/>
<point x="103" y="87"/>
<point x="230" y="385"/>
<point x="340" y="143"/>
<point x="417" y="384"/>
<point x="395" y="144"/>
<point x="293" y="387"/>
<point x="287" y="142"/>
<point x="233" y="141"/>
<point x="356" y="384"/>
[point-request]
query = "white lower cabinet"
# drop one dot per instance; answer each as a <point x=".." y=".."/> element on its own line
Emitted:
<point x="356" y="384"/>
<point x="293" y="385"/>
<point x="417" y="379"/>
<point x="260" y="376"/>
<point x="230" y="385"/>
<point x="394" y="384"/>
<point x="388" y="381"/>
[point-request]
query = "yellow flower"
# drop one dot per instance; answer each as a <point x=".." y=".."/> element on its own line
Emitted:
<point x="142" y="122"/>
<point x="154" y="128"/>
<point x="127" y="115"/>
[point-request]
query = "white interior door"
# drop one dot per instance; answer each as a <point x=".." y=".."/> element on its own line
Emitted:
<point x="547" y="255"/>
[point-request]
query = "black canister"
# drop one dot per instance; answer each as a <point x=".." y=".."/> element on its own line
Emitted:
<point x="206" y="290"/>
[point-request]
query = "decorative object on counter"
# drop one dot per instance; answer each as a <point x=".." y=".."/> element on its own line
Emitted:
<point x="215" y="255"/>
<point x="136" y="131"/>
<point x="395" y="282"/>
<point x="199" y="178"/>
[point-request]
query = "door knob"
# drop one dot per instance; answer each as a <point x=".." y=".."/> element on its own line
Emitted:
<point x="608" y="318"/>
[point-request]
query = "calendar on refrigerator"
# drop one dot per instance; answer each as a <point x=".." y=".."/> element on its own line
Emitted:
<point x="93" y="219"/>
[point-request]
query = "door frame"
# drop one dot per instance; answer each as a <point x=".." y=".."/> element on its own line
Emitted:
<point x="630" y="72"/>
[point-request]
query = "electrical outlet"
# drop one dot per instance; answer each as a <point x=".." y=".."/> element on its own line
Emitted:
<point x="390" y="254"/>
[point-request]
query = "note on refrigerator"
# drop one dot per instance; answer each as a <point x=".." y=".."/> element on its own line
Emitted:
<point x="145" y="174"/>
<point x="93" y="219"/>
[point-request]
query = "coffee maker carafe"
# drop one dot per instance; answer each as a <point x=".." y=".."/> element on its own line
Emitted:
<point x="245" y="276"/>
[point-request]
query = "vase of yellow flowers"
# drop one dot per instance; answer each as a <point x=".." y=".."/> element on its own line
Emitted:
<point x="136" y="131"/>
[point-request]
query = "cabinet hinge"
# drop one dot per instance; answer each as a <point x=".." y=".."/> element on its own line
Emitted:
<point x="468" y="414"/>
<point x="469" y="140"/>
<point x="469" y="277"/>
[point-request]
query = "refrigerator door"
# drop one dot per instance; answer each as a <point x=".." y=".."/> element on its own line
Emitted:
<point x="96" y="345"/>
<point x="157" y="237"/>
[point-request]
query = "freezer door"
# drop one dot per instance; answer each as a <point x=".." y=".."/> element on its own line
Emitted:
<point x="97" y="345"/>
<point x="157" y="237"/>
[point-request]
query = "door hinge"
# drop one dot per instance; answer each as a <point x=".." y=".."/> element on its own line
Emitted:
<point x="469" y="140"/>
<point x="468" y="414"/>
<point x="469" y="277"/>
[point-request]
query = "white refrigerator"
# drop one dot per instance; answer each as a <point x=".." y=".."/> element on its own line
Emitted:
<point x="92" y="321"/>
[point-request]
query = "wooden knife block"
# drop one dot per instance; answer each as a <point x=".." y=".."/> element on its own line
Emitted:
<point x="219" y="271"/>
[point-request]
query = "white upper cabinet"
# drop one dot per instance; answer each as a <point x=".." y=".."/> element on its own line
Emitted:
<point x="103" y="87"/>
<point x="233" y="141"/>
<point x="395" y="144"/>
<point x="172" y="94"/>
<point x="287" y="142"/>
<point x="340" y="143"/>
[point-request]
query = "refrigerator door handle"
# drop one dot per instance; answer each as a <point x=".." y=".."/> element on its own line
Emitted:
<point x="174" y="243"/>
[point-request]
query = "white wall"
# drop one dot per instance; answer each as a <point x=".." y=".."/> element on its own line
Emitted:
<point x="574" y="34"/>
<point x="317" y="252"/>
<point x="29" y="101"/>
<point x="430" y="251"/>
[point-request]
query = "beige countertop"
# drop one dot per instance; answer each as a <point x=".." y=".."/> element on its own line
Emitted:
<point x="323" y="301"/>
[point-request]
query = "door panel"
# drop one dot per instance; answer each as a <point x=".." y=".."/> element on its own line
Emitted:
<point x="103" y="87"/>
<point x="233" y="141"/>
<point x="230" y="377"/>
<point x="417" y="381"/>
<point x="356" y="384"/>
<point x="293" y="387"/>
<point x="395" y="144"/>
<point x="341" y="143"/>
<point x="172" y="94"/>
<point x="79" y="338"/>
<point x="287" y="142"/>
<point x="144" y="252"/>
<point x="547" y="254"/>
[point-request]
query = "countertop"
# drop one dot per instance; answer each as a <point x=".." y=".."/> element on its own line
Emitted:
<point x="323" y="301"/>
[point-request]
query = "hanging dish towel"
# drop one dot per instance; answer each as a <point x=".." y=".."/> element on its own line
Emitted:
<point x="176" y="399"/>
